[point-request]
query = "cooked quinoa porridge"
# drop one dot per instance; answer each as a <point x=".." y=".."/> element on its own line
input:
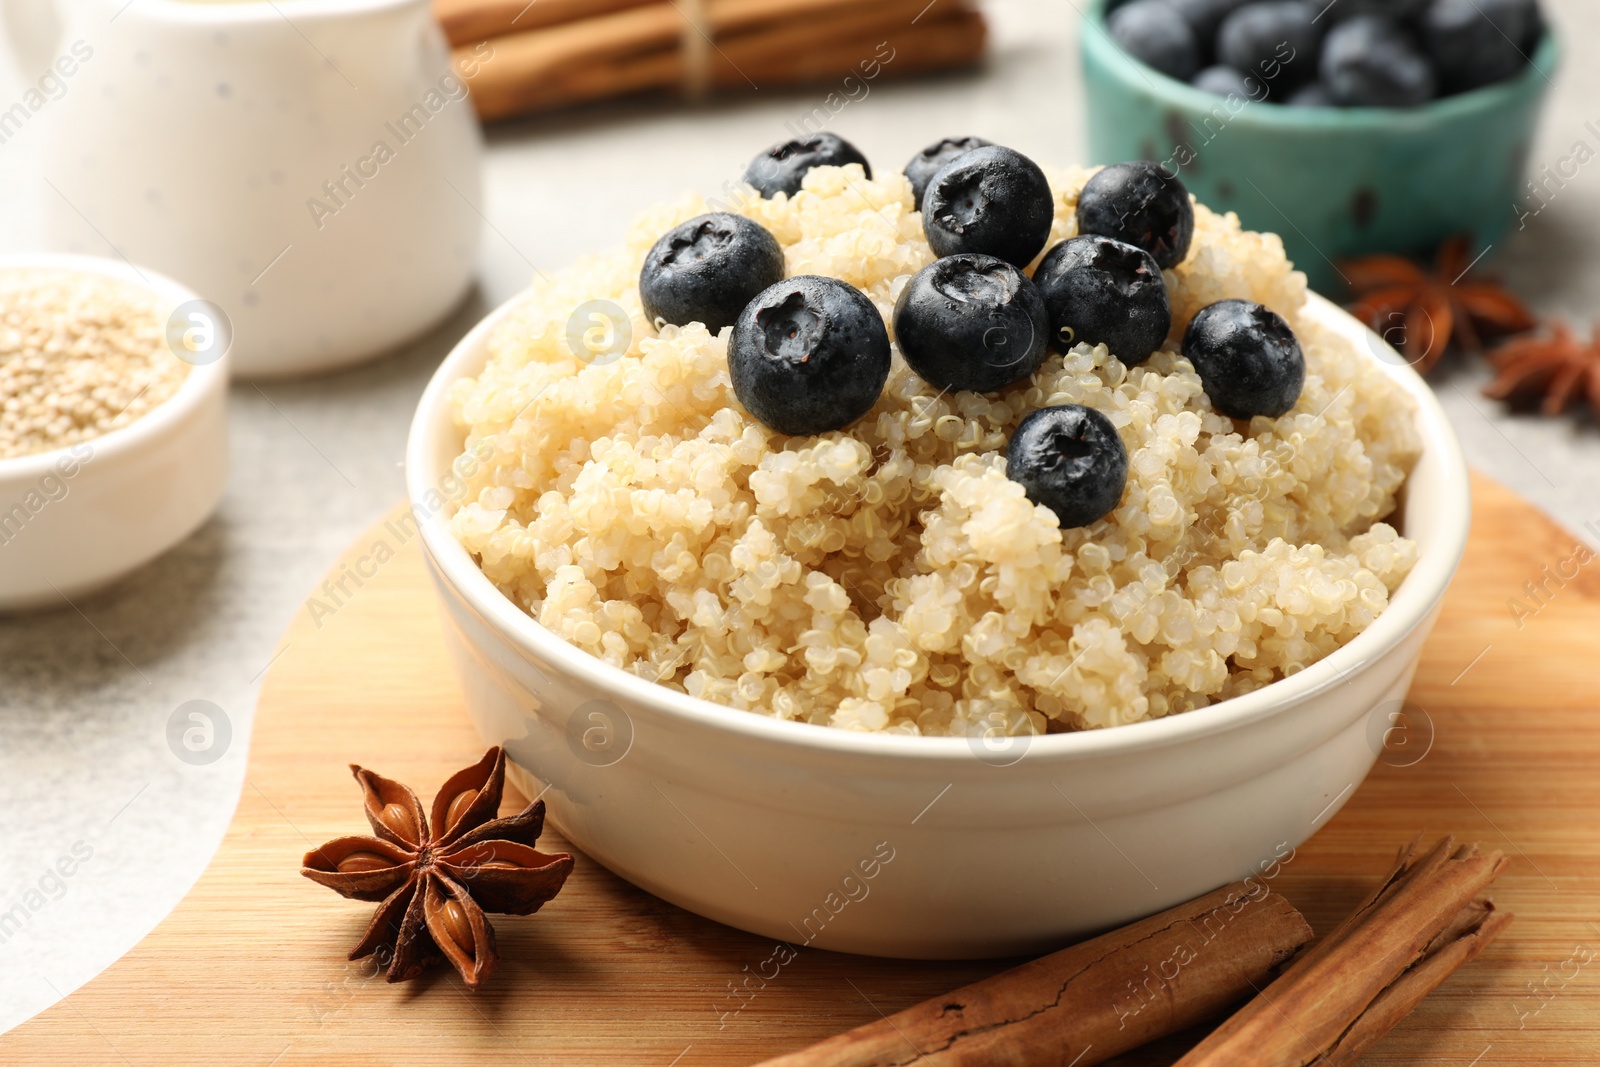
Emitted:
<point x="80" y="355"/>
<point x="890" y="577"/>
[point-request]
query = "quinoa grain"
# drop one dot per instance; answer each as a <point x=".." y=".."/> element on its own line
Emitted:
<point x="890" y="577"/>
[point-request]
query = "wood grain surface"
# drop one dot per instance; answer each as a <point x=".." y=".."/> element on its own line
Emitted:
<point x="250" y="968"/>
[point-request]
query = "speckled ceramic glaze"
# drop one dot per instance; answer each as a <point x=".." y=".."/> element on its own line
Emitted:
<point x="312" y="166"/>
<point x="1334" y="182"/>
<point x="927" y="847"/>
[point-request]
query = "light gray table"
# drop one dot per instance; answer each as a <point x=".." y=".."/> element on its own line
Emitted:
<point x="85" y="695"/>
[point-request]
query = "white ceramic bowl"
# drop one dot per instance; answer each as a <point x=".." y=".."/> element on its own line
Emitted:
<point x="928" y="847"/>
<point x="76" y="519"/>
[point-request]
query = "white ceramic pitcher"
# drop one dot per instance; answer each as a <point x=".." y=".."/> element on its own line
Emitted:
<point x="311" y="166"/>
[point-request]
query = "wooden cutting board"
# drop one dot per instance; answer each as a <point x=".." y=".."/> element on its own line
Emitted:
<point x="250" y="968"/>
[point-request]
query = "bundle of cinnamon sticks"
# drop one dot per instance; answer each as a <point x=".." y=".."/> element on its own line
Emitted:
<point x="1326" y="1005"/>
<point x="524" y="56"/>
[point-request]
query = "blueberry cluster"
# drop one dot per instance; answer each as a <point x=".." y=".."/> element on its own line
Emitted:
<point x="1332" y="53"/>
<point x="809" y="355"/>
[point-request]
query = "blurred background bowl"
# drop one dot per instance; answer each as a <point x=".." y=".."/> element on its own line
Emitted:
<point x="76" y="519"/>
<point x="1334" y="182"/>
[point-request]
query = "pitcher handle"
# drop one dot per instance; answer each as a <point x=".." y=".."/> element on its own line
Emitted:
<point x="33" y="29"/>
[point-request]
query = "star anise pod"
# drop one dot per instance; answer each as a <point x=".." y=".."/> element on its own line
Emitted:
<point x="1559" y="366"/>
<point x="1421" y="312"/>
<point x="435" y="887"/>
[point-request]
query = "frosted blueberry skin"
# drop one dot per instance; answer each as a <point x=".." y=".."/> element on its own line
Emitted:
<point x="783" y="167"/>
<point x="1205" y="17"/>
<point x="1248" y="359"/>
<point x="707" y="269"/>
<point x="809" y="355"/>
<point x="1474" y="43"/>
<point x="1071" y="460"/>
<point x="1314" y="95"/>
<point x="973" y="323"/>
<point x="931" y="160"/>
<point x="1225" y="81"/>
<point x="1282" y="37"/>
<point x="1153" y="32"/>
<point x="1341" y="10"/>
<point x="991" y="201"/>
<point x="1140" y="204"/>
<point x="1103" y="291"/>
<point x="1372" y="61"/>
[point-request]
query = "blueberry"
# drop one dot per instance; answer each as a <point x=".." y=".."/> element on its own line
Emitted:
<point x="1474" y="43"/>
<point x="971" y="322"/>
<point x="992" y="201"/>
<point x="1142" y="204"/>
<point x="809" y="355"/>
<point x="1205" y="17"/>
<point x="931" y="160"/>
<point x="1371" y="61"/>
<point x="1314" y="95"/>
<point x="707" y="270"/>
<point x="1071" y="460"/>
<point x="1276" y="40"/>
<point x="1103" y="291"/>
<point x="1536" y="31"/>
<point x="1247" y="357"/>
<point x="1225" y="81"/>
<point x="781" y="168"/>
<point x="1154" y="33"/>
<point x="1340" y="10"/>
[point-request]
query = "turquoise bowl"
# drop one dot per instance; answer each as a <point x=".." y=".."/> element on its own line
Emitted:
<point x="1333" y="182"/>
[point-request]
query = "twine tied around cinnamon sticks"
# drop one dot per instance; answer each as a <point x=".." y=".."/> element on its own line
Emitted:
<point x="696" y="49"/>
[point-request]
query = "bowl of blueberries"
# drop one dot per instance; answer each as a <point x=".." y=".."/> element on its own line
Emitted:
<point x="1347" y="126"/>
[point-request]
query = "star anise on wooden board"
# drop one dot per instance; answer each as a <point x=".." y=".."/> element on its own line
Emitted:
<point x="1557" y="366"/>
<point x="1421" y="311"/>
<point x="435" y="887"/>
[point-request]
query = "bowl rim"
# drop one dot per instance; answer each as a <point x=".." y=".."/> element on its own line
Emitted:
<point x="202" y="381"/>
<point x="1412" y="605"/>
<point x="1096" y="40"/>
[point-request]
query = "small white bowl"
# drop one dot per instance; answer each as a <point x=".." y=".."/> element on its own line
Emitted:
<point x="76" y="519"/>
<point x="929" y="847"/>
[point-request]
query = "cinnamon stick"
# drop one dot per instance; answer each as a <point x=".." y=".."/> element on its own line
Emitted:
<point x="1402" y="998"/>
<point x="626" y="23"/>
<point x="527" y="75"/>
<point x="470" y="21"/>
<point x="658" y="29"/>
<point x="1088" y="1003"/>
<point x="1365" y="975"/>
<point x="808" y="50"/>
